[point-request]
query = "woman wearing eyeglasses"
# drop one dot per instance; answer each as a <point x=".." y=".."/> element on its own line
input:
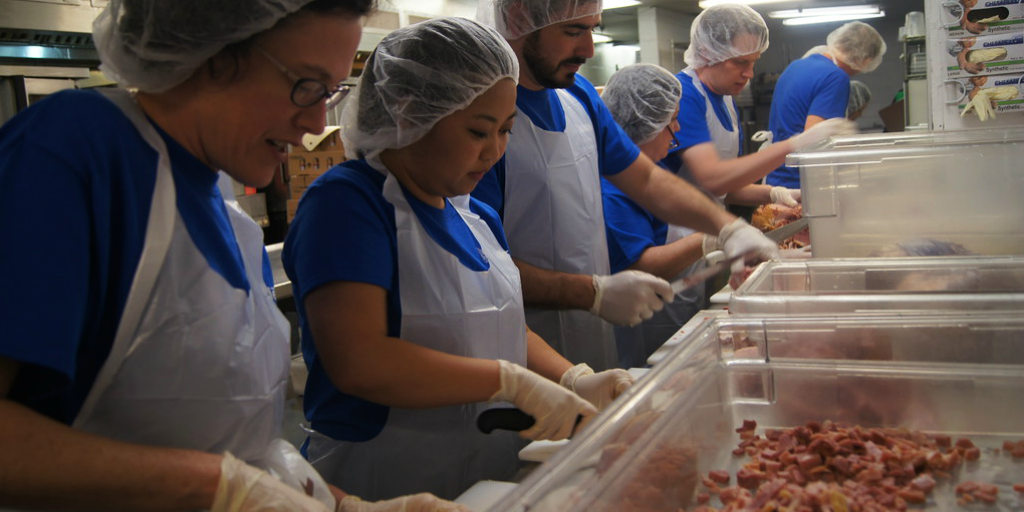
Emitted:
<point x="143" y="362"/>
<point x="411" y="307"/>
<point x="644" y="100"/>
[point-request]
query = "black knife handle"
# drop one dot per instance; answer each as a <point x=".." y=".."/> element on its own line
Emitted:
<point x="505" y="419"/>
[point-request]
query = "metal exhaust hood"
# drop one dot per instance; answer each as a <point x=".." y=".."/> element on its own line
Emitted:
<point x="48" y="32"/>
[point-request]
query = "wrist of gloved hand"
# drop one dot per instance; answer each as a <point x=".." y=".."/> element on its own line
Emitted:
<point x="553" y="408"/>
<point x="709" y="244"/>
<point x="739" y="237"/>
<point x="245" y="488"/>
<point x="784" y="196"/>
<point x="629" y="297"/>
<point x="821" y="131"/>
<point x="599" y="389"/>
<point x="422" y="502"/>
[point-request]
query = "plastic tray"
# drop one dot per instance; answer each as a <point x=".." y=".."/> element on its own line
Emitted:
<point x="883" y="284"/>
<point x="960" y="376"/>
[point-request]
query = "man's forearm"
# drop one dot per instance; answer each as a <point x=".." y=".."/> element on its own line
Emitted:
<point x="550" y="289"/>
<point x="667" y="261"/>
<point x="670" y="198"/>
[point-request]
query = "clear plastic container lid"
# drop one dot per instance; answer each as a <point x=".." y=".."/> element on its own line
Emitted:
<point x="849" y="285"/>
<point x="959" y="376"/>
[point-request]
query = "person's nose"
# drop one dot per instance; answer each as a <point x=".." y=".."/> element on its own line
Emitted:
<point x="748" y="72"/>
<point x="586" y="47"/>
<point x="312" y="119"/>
<point x="492" y="149"/>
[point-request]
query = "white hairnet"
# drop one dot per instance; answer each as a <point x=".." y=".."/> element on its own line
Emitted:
<point x="417" y="76"/>
<point x="642" y="98"/>
<point x="858" y="45"/>
<point x="860" y="95"/>
<point x="516" y="18"/>
<point x="820" y="49"/>
<point x="154" y="45"/>
<point x="715" y="35"/>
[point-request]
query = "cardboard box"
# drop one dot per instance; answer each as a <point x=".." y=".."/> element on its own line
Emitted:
<point x="968" y="86"/>
<point x="1004" y="16"/>
<point x="328" y="140"/>
<point x="966" y="57"/>
<point x="315" y="163"/>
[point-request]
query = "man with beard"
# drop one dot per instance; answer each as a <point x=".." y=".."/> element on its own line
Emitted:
<point x="547" y="187"/>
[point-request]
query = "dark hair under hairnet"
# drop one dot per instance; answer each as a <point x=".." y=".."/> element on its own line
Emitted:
<point x="643" y="99"/>
<point x="154" y="45"/>
<point x="420" y="74"/>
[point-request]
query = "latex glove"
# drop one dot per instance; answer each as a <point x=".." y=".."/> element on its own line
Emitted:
<point x="822" y="131"/>
<point x="785" y="196"/>
<point x="554" y="408"/>
<point x="738" y="237"/>
<point x="599" y="389"/>
<point x="422" y="502"/>
<point x="245" y="488"/>
<point x="629" y="297"/>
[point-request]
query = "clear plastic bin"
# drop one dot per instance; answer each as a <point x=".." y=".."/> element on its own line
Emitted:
<point x="866" y="192"/>
<point x="849" y="285"/>
<point x="961" y="376"/>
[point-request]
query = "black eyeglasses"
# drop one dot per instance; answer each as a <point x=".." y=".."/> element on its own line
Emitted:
<point x="308" y="91"/>
<point x="674" y="143"/>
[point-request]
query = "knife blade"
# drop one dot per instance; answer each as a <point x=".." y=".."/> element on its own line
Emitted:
<point x="510" y="418"/>
<point x="702" y="275"/>
<point x="779" y="234"/>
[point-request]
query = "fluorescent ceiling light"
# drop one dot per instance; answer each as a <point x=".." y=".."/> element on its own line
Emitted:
<point x="616" y="4"/>
<point x="704" y="4"/>
<point x="830" y="18"/>
<point x="601" y="38"/>
<point x="826" y="11"/>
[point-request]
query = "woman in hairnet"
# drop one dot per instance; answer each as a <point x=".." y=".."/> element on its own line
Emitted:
<point x="644" y="100"/>
<point x="817" y="87"/>
<point x="725" y="42"/>
<point x="143" y="365"/>
<point x="411" y="307"/>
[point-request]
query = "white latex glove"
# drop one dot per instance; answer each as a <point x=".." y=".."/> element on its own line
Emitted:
<point x="245" y="488"/>
<point x="599" y="389"/>
<point x="785" y="196"/>
<point x="554" y="408"/>
<point x="422" y="502"/>
<point x="738" y="237"/>
<point x="629" y="297"/>
<point x="822" y="131"/>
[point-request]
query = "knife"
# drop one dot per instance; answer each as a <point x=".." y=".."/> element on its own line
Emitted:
<point x="510" y="418"/>
<point x="702" y="275"/>
<point x="779" y="234"/>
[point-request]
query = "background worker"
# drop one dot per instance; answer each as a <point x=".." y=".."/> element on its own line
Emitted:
<point x="547" y="187"/>
<point x="817" y="87"/>
<point x="860" y="96"/>
<point x="145" y="366"/>
<point x="411" y="307"/>
<point x="725" y="42"/>
<point x="644" y="100"/>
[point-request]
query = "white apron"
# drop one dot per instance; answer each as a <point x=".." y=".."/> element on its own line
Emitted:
<point x="727" y="143"/>
<point x="453" y="309"/>
<point x="554" y="219"/>
<point x="195" y="363"/>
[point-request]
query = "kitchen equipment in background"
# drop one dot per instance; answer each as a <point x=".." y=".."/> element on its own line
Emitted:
<point x="914" y="23"/>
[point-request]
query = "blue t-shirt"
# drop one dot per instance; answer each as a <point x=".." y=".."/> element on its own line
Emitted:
<point x="76" y="183"/>
<point x="616" y="151"/>
<point x="344" y="230"/>
<point x="692" y="117"/>
<point x="813" y="85"/>
<point x="629" y="227"/>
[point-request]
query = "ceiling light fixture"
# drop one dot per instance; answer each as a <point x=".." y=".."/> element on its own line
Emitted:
<point x="704" y="4"/>
<point x="826" y="11"/>
<point x="616" y="4"/>
<point x="830" y="18"/>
